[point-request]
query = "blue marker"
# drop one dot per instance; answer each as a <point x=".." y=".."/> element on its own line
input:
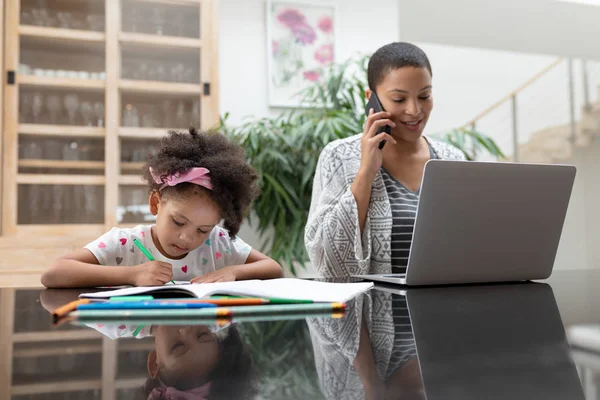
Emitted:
<point x="142" y="305"/>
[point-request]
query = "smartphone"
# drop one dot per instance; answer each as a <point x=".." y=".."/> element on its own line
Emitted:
<point x="375" y="104"/>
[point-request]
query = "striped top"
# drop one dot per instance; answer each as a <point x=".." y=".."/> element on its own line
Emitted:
<point x="403" y="203"/>
<point x="404" y="348"/>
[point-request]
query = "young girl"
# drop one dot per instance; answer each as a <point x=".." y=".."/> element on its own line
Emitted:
<point x="196" y="180"/>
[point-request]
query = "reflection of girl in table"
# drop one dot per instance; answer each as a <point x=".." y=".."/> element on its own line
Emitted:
<point x="192" y="362"/>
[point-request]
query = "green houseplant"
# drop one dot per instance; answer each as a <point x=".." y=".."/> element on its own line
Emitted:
<point x="285" y="150"/>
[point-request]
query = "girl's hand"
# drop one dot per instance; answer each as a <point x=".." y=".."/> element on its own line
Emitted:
<point x="152" y="273"/>
<point x="371" y="157"/>
<point x="226" y="274"/>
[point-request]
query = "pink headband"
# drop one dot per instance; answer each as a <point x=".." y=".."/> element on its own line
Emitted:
<point x="197" y="175"/>
<point x="170" y="393"/>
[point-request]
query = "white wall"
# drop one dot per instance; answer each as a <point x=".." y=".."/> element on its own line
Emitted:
<point x="579" y="246"/>
<point x="530" y="26"/>
<point x="363" y="26"/>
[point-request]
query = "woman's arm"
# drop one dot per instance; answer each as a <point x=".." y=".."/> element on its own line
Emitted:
<point x="332" y="234"/>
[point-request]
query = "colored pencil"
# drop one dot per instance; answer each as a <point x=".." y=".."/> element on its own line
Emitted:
<point x="143" y="305"/>
<point x="148" y="255"/>
<point x="218" y="312"/>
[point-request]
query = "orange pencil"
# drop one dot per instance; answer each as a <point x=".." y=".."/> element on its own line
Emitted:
<point x="67" y="308"/>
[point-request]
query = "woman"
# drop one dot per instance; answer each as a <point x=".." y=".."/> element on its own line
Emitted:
<point x="364" y="198"/>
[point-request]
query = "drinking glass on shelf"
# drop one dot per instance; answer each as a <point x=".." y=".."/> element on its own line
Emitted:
<point x="151" y="72"/>
<point x="27" y="18"/>
<point x="187" y="74"/>
<point x="167" y="112"/>
<point x="37" y="102"/>
<point x="52" y="149"/>
<point x="158" y="19"/>
<point x="35" y="201"/>
<point x="92" y="206"/>
<point x="65" y="19"/>
<point x="130" y="116"/>
<point x="87" y="113"/>
<point x="95" y="22"/>
<point x="71" y="104"/>
<point x="180" y="118"/>
<point x="99" y="112"/>
<point x="195" y="114"/>
<point x="25" y="105"/>
<point x="24" y="69"/>
<point x="54" y="106"/>
<point x="177" y="72"/>
<point x="57" y="202"/>
<point x="70" y="151"/>
<point x="32" y="151"/>
<point x="161" y="72"/>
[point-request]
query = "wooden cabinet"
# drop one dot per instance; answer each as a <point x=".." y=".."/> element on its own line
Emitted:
<point x="90" y="86"/>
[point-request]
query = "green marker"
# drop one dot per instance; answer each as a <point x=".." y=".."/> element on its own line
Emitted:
<point x="146" y="253"/>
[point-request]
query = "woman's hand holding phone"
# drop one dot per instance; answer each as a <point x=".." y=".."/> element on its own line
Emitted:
<point x="371" y="155"/>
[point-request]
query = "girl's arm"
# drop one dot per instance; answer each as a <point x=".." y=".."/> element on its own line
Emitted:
<point x="257" y="266"/>
<point x="81" y="269"/>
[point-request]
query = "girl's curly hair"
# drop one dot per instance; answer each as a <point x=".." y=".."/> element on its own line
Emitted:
<point x="234" y="181"/>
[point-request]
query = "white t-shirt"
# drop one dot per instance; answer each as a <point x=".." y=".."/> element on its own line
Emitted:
<point x="116" y="247"/>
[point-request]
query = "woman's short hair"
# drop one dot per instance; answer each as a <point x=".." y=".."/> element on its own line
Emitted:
<point x="393" y="56"/>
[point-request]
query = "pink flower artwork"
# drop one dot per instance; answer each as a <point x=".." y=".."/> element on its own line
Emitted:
<point x="325" y="24"/>
<point x="302" y="42"/>
<point x="324" y="54"/>
<point x="291" y="17"/>
<point x="311" y="75"/>
<point x="304" y="33"/>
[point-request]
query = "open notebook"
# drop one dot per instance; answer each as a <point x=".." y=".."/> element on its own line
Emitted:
<point x="285" y="288"/>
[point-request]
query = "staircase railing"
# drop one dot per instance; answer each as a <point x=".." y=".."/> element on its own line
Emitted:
<point x="576" y="81"/>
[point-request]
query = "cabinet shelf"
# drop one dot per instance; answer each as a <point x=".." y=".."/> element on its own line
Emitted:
<point x="62" y="386"/>
<point x="61" y="164"/>
<point x="159" y="41"/>
<point x="55" y="336"/>
<point x="142" y="133"/>
<point x="166" y="88"/>
<point x="56" y="179"/>
<point x="131" y="180"/>
<point x="61" y="130"/>
<point x="62" y="35"/>
<point x="173" y="2"/>
<point x="61" y="83"/>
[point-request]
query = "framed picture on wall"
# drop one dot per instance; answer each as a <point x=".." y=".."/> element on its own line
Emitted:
<point x="301" y="41"/>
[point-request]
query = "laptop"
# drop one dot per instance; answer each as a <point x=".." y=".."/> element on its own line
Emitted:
<point x="486" y="222"/>
<point x="497" y="341"/>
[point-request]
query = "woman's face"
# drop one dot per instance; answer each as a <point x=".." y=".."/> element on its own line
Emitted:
<point x="185" y="354"/>
<point x="406" y="94"/>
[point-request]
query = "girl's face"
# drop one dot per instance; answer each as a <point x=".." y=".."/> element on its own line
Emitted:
<point x="406" y="94"/>
<point x="182" y="224"/>
<point x="184" y="356"/>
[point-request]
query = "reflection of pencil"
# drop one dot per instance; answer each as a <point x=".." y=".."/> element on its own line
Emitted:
<point x="220" y="312"/>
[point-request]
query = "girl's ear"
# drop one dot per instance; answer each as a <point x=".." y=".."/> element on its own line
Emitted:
<point x="154" y="202"/>
<point x="152" y="364"/>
